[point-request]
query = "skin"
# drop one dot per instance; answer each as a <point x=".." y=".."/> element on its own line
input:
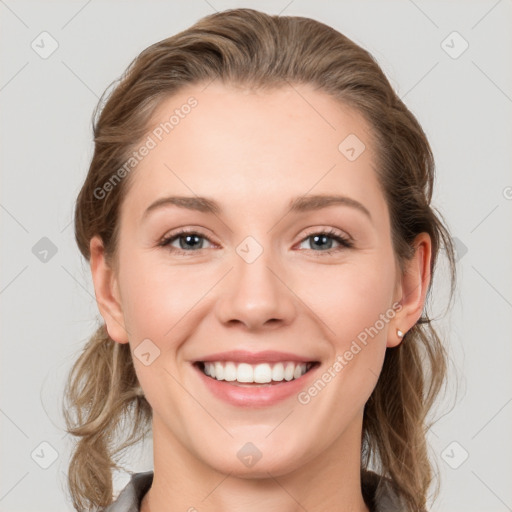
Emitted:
<point x="253" y="152"/>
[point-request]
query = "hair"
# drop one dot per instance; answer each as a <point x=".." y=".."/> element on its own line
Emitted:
<point x="249" y="48"/>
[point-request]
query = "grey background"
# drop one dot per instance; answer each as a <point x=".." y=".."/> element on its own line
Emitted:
<point x="48" y="308"/>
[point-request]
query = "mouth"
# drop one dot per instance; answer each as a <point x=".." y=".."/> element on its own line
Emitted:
<point x="255" y="375"/>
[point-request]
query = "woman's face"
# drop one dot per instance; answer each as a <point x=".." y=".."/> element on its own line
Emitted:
<point x="261" y="272"/>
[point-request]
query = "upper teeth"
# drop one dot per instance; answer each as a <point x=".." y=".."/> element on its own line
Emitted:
<point x="259" y="373"/>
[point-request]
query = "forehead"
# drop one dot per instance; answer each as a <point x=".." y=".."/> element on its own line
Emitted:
<point x="247" y="146"/>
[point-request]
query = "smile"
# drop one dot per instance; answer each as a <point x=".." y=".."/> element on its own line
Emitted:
<point x="263" y="373"/>
<point x="281" y="381"/>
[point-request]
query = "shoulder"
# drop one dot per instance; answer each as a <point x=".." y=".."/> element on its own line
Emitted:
<point x="130" y="497"/>
<point x="380" y="494"/>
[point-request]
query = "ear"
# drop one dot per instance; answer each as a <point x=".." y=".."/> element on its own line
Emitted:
<point x="107" y="292"/>
<point x="412" y="289"/>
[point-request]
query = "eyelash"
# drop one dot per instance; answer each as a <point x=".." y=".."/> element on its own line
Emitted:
<point x="331" y="233"/>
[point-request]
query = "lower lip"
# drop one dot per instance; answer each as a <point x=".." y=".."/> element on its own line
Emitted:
<point x="255" y="395"/>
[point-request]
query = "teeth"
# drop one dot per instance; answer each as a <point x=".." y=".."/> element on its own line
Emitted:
<point x="278" y="372"/>
<point x="230" y="372"/>
<point x="259" y="373"/>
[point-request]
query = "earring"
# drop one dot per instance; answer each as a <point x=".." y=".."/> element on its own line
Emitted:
<point x="399" y="333"/>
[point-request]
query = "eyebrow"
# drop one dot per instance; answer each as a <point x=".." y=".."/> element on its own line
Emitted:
<point x="297" y="205"/>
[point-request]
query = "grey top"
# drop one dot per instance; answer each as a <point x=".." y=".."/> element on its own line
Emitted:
<point x="378" y="494"/>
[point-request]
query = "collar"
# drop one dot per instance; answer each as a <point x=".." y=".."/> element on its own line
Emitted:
<point x="378" y="492"/>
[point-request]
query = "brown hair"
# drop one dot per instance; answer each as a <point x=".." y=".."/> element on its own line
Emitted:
<point x="253" y="49"/>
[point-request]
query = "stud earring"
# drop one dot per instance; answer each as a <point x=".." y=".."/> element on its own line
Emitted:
<point x="399" y="333"/>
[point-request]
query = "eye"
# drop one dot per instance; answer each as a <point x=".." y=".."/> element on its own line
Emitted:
<point x="321" y="239"/>
<point x="190" y="241"/>
<point x="186" y="239"/>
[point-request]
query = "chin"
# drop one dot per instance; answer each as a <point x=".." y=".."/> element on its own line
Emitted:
<point x="251" y="462"/>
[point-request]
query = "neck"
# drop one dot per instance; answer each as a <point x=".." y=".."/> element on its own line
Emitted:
<point x="329" y="481"/>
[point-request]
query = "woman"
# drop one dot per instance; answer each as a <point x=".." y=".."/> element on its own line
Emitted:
<point x="258" y="224"/>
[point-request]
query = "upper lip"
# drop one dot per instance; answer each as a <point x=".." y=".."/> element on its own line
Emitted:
<point x="244" y="356"/>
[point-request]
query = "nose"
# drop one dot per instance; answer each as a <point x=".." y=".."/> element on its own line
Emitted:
<point x="255" y="295"/>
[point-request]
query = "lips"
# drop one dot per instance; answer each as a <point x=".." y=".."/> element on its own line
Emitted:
<point x="244" y="356"/>
<point x="255" y="394"/>
<point x="268" y="382"/>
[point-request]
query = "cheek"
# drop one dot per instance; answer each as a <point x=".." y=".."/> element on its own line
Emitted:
<point x="350" y="297"/>
<point x="157" y="295"/>
<point x="155" y="306"/>
<point x="356" y="307"/>
<point x="150" y="298"/>
<point x="163" y="303"/>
